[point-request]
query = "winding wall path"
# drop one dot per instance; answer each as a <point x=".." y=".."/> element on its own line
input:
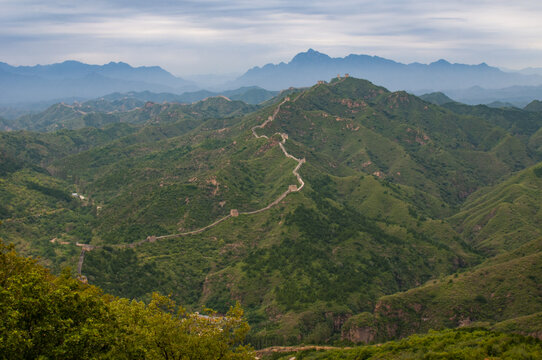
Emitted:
<point x="291" y="189"/>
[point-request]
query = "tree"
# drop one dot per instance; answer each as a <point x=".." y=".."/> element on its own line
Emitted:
<point x="48" y="317"/>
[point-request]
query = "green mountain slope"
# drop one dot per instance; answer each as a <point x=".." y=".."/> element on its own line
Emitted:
<point x="489" y="293"/>
<point x="251" y="95"/>
<point x="450" y="344"/>
<point x="516" y="121"/>
<point x="505" y="216"/>
<point x="503" y="291"/>
<point x="399" y="213"/>
<point x="388" y="180"/>
<point x="36" y="205"/>
<point x="62" y="116"/>
<point x="98" y="113"/>
<point x="354" y="125"/>
<point x="4" y="124"/>
<point x="43" y="316"/>
<point x="436" y="98"/>
<point x="535" y="105"/>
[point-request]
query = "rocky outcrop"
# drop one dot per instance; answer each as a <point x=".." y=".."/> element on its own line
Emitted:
<point x="359" y="329"/>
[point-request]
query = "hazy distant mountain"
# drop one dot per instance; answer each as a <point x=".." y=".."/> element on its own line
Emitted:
<point x="535" y="106"/>
<point x="112" y="108"/>
<point x="4" y="124"/>
<point x="101" y="112"/>
<point x="436" y="98"/>
<point x="75" y="79"/>
<point x="531" y="71"/>
<point x="308" y="67"/>
<point x="501" y="104"/>
<point x="516" y="95"/>
<point x="251" y="95"/>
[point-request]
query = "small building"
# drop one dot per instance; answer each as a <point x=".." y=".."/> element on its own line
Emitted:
<point x="346" y="75"/>
<point x="292" y="187"/>
<point x="234" y="212"/>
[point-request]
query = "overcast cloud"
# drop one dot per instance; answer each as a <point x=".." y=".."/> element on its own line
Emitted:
<point x="209" y="36"/>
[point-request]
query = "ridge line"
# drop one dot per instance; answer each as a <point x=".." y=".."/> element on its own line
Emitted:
<point x="152" y="239"/>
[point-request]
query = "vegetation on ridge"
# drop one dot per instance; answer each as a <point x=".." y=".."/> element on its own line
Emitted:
<point x="42" y="316"/>
<point x="475" y="344"/>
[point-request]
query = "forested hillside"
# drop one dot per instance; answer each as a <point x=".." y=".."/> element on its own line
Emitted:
<point x="43" y="316"/>
<point x="340" y="212"/>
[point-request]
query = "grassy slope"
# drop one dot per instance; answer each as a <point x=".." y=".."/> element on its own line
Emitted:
<point x="358" y="126"/>
<point x="526" y="325"/>
<point x="450" y="344"/>
<point x="489" y="293"/>
<point x="504" y="291"/>
<point x="506" y="216"/>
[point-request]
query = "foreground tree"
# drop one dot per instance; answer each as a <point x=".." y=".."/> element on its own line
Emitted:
<point x="48" y="317"/>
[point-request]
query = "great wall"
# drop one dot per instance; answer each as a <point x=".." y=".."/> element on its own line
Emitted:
<point x="233" y="212"/>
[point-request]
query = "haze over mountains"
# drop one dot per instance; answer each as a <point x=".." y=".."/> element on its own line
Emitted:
<point x="75" y="79"/>
<point x="308" y="67"/>
<point x="42" y="85"/>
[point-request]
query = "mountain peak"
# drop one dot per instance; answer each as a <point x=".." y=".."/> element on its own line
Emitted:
<point x="310" y="56"/>
<point x="441" y="62"/>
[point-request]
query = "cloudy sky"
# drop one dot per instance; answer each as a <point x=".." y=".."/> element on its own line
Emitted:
<point x="211" y="36"/>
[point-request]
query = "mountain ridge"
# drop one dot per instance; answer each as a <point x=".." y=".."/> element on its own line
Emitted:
<point x="74" y="78"/>
<point x="306" y="68"/>
<point x="385" y="171"/>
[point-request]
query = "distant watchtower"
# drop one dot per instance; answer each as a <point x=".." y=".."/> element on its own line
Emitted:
<point x="346" y="75"/>
<point x="234" y="212"/>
